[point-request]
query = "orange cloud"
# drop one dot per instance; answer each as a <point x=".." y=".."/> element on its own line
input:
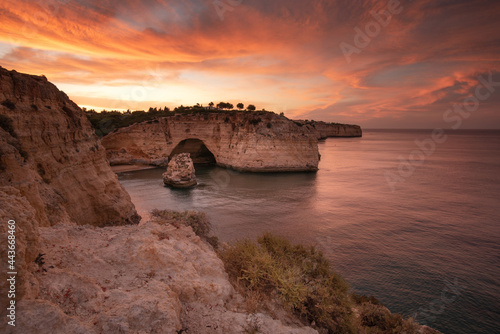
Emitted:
<point x="277" y="54"/>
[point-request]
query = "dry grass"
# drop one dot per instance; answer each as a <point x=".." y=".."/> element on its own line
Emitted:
<point x="303" y="282"/>
<point x="299" y="276"/>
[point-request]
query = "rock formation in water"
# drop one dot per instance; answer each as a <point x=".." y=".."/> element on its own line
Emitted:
<point x="52" y="170"/>
<point x="327" y="130"/>
<point x="244" y="141"/>
<point x="180" y="172"/>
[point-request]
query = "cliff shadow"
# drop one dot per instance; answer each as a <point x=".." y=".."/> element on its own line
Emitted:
<point x="200" y="154"/>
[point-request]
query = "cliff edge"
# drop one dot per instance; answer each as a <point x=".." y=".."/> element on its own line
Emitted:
<point x="52" y="170"/>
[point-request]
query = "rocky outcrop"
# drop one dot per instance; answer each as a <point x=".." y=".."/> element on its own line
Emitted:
<point x="52" y="170"/>
<point x="327" y="130"/>
<point x="244" y="141"/>
<point x="180" y="172"/>
<point x="153" y="278"/>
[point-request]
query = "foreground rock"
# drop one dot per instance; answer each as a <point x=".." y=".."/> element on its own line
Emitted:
<point x="153" y="278"/>
<point x="52" y="170"/>
<point x="243" y="141"/>
<point x="180" y="172"/>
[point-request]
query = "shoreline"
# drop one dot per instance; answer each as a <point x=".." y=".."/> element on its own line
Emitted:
<point x="130" y="168"/>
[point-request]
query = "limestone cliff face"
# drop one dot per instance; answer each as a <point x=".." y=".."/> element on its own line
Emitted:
<point x="52" y="169"/>
<point x="241" y="141"/>
<point x="326" y="130"/>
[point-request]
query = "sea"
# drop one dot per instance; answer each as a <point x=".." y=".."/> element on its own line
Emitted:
<point x="411" y="217"/>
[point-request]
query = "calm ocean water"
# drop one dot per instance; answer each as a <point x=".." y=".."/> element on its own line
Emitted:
<point x="426" y="244"/>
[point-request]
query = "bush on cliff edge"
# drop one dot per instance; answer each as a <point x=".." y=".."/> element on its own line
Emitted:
<point x="299" y="276"/>
<point x="301" y="279"/>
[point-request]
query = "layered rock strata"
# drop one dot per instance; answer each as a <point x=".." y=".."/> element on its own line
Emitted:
<point x="180" y="172"/>
<point x="242" y="141"/>
<point x="52" y="170"/>
<point x="328" y="130"/>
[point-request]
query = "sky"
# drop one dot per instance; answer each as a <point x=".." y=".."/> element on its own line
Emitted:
<point x="379" y="64"/>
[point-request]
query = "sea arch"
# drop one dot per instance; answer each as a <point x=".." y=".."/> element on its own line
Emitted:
<point x="199" y="151"/>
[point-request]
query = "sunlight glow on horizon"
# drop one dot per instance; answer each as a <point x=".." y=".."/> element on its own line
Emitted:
<point x="283" y="56"/>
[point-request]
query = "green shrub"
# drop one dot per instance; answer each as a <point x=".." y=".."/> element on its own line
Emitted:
<point x="300" y="276"/>
<point x="198" y="221"/>
<point x="360" y="299"/>
<point x="116" y="119"/>
<point x="376" y="319"/>
<point x="255" y="121"/>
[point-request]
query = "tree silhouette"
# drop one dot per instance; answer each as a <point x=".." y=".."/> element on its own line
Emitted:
<point x="251" y="107"/>
<point x="240" y="106"/>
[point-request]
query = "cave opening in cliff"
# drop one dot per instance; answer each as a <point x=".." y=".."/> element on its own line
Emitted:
<point x="198" y="150"/>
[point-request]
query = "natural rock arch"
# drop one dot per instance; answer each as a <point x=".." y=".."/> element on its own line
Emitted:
<point x="200" y="154"/>
<point x="242" y="141"/>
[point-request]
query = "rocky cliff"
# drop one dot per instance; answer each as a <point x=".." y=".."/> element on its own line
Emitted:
<point x="75" y="272"/>
<point x="244" y="141"/>
<point x="327" y="130"/>
<point x="52" y="170"/>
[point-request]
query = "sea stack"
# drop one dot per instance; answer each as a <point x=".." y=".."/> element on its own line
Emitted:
<point x="180" y="172"/>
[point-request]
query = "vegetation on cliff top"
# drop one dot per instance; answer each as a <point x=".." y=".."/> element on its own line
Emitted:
<point x="105" y="122"/>
<point x="301" y="280"/>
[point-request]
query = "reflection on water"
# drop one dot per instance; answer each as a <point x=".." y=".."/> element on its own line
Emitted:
<point x="440" y="225"/>
<point x="238" y="204"/>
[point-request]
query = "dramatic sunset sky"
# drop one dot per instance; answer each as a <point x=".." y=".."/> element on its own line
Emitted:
<point x="282" y="55"/>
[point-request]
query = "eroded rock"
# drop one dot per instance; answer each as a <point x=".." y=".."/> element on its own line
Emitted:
<point x="180" y="172"/>
<point x="242" y="141"/>
<point x="53" y="170"/>
<point x="152" y="278"/>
